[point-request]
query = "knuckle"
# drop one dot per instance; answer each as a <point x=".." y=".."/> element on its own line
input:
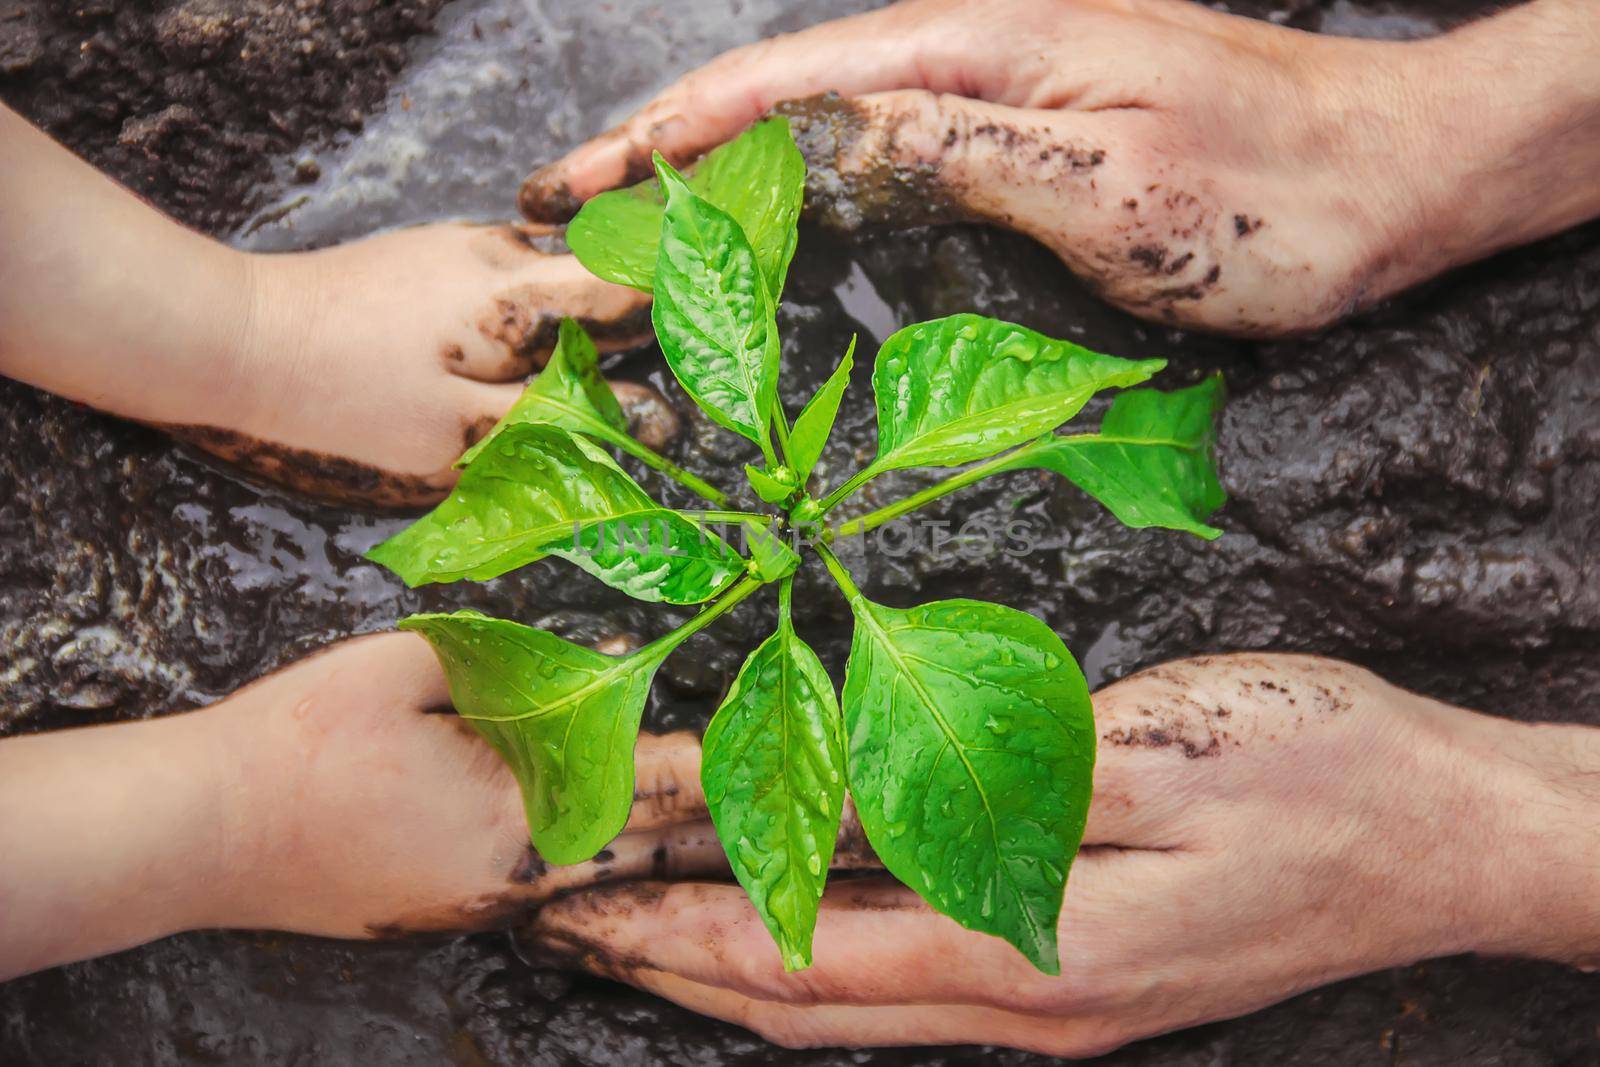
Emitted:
<point x="950" y="119"/>
<point x="918" y="126"/>
<point x="760" y="974"/>
<point x="1080" y="984"/>
<point x="1041" y="996"/>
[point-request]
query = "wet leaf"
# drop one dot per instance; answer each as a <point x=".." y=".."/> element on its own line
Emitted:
<point x="773" y="769"/>
<point x="614" y="234"/>
<point x="771" y="557"/>
<point x="966" y="387"/>
<point x="540" y="491"/>
<point x="811" y="429"/>
<point x="563" y="717"/>
<point x="569" y="393"/>
<point x="712" y="314"/>
<point x="1151" y="463"/>
<point x="758" y="178"/>
<point x="971" y="751"/>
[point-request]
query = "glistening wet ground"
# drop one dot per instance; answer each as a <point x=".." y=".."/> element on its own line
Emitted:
<point x="1413" y="491"/>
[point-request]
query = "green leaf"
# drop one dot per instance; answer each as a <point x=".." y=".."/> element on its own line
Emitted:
<point x="966" y="387"/>
<point x="563" y="717"/>
<point x="615" y="234"/>
<point x="773" y="769"/>
<point x="758" y="178"/>
<point x="540" y="491"/>
<point x="771" y="557"/>
<point x="712" y="314"/>
<point x="569" y="393"/>
<point x="815" y="423"/>
<point x="1151" y="463"/>
<point x="971" y="746"/>
<point x="775" y="487"/>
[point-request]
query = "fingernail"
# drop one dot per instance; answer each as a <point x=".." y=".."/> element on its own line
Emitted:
<point x="546" y="197"/>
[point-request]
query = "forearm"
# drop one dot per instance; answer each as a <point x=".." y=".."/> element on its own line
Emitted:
<point x="1523" y="868"/>
<point x="1509" y="110"/>
<point x="110" y="836"/>
<point x="101" y="296"/>
<point x="1559" y="810"/>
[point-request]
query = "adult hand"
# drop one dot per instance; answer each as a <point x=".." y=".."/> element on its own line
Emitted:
<point x="1193" y="167"/>
<point x="1260" y="825"/>
<point x="324" y="799"/>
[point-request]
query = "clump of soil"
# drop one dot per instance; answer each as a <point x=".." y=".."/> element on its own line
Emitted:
<point x="190" y="102"/>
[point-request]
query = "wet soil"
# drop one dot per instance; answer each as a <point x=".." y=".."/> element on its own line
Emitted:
<point x="194" y="103"/>
<point x="1413" y="491"/>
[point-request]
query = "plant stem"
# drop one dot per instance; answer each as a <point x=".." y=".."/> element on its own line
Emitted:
<point x="780" y="422"/>
<point x="768" y="457"/>
<point x="651" y="458"/>
<point x="663" y="645"/>
<point x="837" y="569"/>
<point x="785" y="594"/>
<point x="727" y="516"/>
<point x="873" y="519"/>
<point x="837" y="497"/>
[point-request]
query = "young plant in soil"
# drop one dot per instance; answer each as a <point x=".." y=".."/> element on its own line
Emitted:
<point x="964" y="731"/>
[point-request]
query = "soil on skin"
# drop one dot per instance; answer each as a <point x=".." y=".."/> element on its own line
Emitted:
<point x="1413" y="491"/>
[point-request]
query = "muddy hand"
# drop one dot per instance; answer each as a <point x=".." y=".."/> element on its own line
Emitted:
<point x="1193" y="167"/>
<point x="1261" y="825"/>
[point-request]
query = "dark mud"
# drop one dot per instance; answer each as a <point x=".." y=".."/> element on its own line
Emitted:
<point x="1413" y="491"/>
<point x="194" y="103"/>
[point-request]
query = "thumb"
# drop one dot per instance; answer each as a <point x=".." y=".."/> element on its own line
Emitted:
<point x="911" y="46"/>
<point x="913" y="157"/>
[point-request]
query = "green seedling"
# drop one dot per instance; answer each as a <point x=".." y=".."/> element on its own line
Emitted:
<point x="963" y="732"/>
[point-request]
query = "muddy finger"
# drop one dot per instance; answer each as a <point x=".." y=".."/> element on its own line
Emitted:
<point x="858" y="1026"/>
<point x="671" y="852"/>
<point x="716" y="102"/>
<point x="914" y="158"/>
<point x="877" y="942"/>
<point x="688" y="850"/>
<point x="514" y="329"/>
<point x="871" y="944"/>
<point x="666" y="787"/>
